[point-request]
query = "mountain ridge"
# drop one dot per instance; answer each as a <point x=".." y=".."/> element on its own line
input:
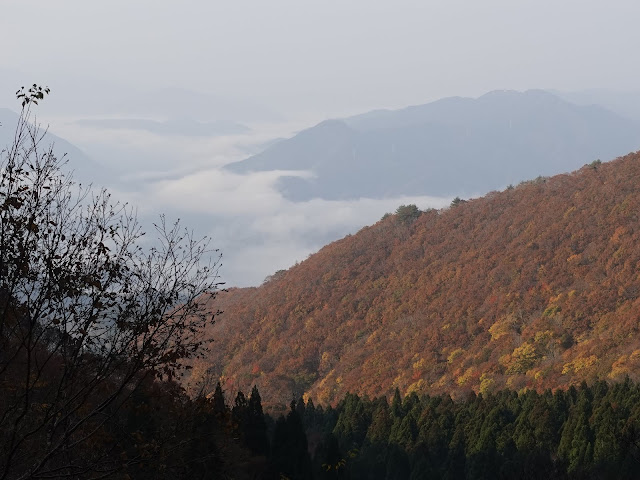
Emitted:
<point x="453" y="146"/>
<point x="84" y="168"/>
<point x="532" y="287"/>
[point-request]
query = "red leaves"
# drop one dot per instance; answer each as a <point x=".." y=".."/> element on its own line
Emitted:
<point x="567" y="245"/>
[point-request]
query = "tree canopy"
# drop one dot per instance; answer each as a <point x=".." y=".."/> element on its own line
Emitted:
<point x="407" y="213"/>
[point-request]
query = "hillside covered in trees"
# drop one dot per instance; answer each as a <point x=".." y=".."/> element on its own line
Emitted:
<point x="536" y="286"/>
<point x="405" y="334"/>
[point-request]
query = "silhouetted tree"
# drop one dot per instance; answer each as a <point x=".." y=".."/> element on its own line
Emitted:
<point x="220" y="409"/>
<point x="86" y="315"/>
<point x="289" y="450"/>
<point x="255" y="431"/>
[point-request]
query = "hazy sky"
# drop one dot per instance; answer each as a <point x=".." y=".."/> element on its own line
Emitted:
<point x="291" y="63"/>
<point x="328" y="56"/>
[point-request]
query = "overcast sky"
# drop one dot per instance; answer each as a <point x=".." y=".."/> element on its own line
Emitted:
<point x="331" y="56"/>
<point x="279" y="66"/>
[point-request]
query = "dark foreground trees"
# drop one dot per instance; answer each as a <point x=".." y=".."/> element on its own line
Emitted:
<point x="589" y="432"/>
<point x="87" y="316"/>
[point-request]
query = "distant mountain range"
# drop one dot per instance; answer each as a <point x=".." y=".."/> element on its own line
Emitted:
<point x="454" y="146"/>
<point x="87" y="96"/>
<point x="626" y="104"/>
<point x="533" y="287"/>
<point x="85" y="169"/>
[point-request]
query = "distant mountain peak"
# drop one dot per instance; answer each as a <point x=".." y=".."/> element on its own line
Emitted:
<point x="451" y="147"/>
<point x="502" y="93"/>
<point x="534" y="92"/>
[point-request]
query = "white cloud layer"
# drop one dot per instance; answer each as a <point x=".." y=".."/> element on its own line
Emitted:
<point x="311" y="60"/>
<point x="257" y="230"/>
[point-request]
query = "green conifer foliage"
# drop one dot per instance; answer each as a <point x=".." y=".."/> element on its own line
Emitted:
<point x="255" y="431"/>
<point x="353" y="421"/>
<point x="289" y="451"/>
<point x="396" y="404"/>
<point x="219" y="406"/>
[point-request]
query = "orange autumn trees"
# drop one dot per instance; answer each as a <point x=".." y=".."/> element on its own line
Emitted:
<point x="535" y="286"/>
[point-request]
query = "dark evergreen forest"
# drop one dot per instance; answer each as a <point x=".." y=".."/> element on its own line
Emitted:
<point x="588" y="432"/>
<point x="585" y="432"/>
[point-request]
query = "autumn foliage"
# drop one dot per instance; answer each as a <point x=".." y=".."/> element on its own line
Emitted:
<point x="533" y="287"/>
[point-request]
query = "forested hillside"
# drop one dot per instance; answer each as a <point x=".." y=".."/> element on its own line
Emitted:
<point x="536" y="286"/>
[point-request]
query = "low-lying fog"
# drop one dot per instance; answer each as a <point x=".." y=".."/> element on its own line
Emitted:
<point x="257" y="230"/>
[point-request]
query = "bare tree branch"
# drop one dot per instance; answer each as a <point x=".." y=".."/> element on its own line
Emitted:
<point x="86" y="314"/>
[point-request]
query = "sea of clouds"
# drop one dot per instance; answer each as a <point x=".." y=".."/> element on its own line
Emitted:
<point x="257" y="230"/>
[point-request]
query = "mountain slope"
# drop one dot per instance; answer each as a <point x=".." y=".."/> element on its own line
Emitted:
<point x="455" y="146"/>
<point x="626" y="104"/>
<point x="85" y="169"/>
<point x="535" y="286"/>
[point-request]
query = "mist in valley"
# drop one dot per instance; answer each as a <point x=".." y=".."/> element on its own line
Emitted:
<point x="159" y="103"/>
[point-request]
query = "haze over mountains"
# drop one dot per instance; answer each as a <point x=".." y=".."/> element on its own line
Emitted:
<point x="626" y="104"/>
<point x="84" y="167"/>
<point x="275" y="208"/>
<point x="454" y="146"/>
<point x="78" y="96"/>
<point x="284" y="135"/>
<point x="185" y="127"/>
<point x="375" y="305"/>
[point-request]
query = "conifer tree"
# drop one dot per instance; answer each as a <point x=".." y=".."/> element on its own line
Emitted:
<point x="239" y="416"/>
<point x="289" y="451"/>
<point x="219" y="406"/>
<point x="309" y="419"/>
<point x="255" y="431"/>
<point x="329" y="460"/>
<point x="404" y="432"/>
<point x="396" y="403"/>
<point x="606" y="448"/>
<point x="455" y="465"/>
<point x="280" y="453"/>
<point x="300" y="407"/>
<point x="381" y="422"/>
<point x="398" y="466"/>
<point x="353" y="422"/>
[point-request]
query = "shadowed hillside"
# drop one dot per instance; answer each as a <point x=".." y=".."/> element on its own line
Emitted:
<point x="536" y="286"/>
<point x="454" y="146"/>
